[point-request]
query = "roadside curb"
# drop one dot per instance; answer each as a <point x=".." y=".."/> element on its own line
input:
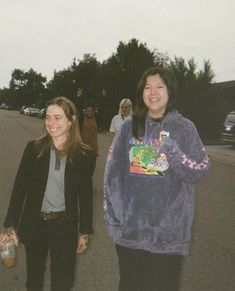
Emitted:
<point x="222" y="154"/>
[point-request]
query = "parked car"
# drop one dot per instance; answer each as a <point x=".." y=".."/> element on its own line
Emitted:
<point x="31" y="111"/>
<point x="6" y="106"/>
<point x="228" y="132"/>
<point x="22" y="108"/>
<point x="3" y="106"/>
<point x="42" y="113"/>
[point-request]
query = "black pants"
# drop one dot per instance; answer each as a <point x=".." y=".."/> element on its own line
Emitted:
<point x="51" y="238"/>
<point x="145" y="271"/>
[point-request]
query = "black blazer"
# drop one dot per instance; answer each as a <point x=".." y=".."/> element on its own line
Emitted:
<point x="29" y="188"/>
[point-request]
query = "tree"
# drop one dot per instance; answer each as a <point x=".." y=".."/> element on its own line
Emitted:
<point x="81" y="73"/>
<point x="27" y="87"/>
<point x="61" y="84"/>
<point x="119" y="75"/>
<point x="5" y="95"/>
<point x="86" y="74"/>
<point x="193" y="90"/>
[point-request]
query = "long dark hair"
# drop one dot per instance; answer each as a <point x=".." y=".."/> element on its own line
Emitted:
<point x="140" y="109"/>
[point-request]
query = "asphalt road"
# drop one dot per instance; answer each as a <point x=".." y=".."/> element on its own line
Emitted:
<point x="211" y="263"/>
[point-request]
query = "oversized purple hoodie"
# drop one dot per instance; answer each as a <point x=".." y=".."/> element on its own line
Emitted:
<point x="148" y="189"/>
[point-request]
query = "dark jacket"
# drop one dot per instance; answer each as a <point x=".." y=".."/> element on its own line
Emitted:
<point x="149" y="193"/>
<point x="29" y="188"/>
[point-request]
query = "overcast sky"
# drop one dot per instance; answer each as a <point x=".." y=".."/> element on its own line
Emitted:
<point x="46" y="35"/>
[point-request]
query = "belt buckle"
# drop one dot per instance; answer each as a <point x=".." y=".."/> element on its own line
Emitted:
<point x="43" y="216"/>
<point x="47" y="216"/>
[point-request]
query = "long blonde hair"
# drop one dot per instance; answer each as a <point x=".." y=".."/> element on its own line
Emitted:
<point x="126" y="102"/>
<point x="74" y="142"/>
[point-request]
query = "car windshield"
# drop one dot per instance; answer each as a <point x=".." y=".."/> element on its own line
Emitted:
<point x="230" y="118"/>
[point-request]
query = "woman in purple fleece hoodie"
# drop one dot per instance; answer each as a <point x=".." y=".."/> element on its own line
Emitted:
<point x="153" y="163"/>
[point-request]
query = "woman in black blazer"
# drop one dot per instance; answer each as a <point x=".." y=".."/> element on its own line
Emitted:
<point x="51" y="203"/>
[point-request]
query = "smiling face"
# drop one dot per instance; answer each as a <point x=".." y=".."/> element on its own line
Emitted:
<point x="57" y="124"/>
<point x="155" y="96"/>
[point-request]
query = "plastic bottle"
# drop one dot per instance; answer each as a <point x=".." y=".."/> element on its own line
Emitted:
<point x="8" y="254"/>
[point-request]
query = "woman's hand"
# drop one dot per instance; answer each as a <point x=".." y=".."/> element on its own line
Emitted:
<point x="7" y="235"/>
<point x="14" y="236"/>
<point x="168" y="145"/>
<point x="3" y="240"/>
<point x="82" y="243"/>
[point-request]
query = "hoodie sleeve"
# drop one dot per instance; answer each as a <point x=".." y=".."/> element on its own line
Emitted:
<point x="187" y="156"/>
<point x="114" y="179"/>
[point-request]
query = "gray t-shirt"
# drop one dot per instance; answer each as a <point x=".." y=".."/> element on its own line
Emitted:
<point x="54" y="199"/>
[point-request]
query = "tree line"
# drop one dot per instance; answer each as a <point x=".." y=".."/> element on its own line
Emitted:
<point x="118" y="75"/>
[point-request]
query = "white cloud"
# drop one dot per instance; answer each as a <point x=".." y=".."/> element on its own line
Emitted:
<point x="47" y="34"/>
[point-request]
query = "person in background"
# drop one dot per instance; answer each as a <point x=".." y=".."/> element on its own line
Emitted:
<point x="79" y="101"/>
<point x="88" y="127"/>
<point x="152" y="166"/>
<point x="105" y="109"/>
<point x="125" y="112"/>
<point x="51" y="198"/>
<point x="100" y="102"/>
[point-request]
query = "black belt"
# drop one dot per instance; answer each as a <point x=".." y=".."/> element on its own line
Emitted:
<point x="52" y="215"/>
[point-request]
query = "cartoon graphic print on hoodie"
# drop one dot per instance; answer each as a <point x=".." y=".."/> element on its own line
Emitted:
<point x="146" y="158"/>
<point x="148" y="206"/>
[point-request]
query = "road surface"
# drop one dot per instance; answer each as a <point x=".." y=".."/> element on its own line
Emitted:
<point x="211" y="263"/>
